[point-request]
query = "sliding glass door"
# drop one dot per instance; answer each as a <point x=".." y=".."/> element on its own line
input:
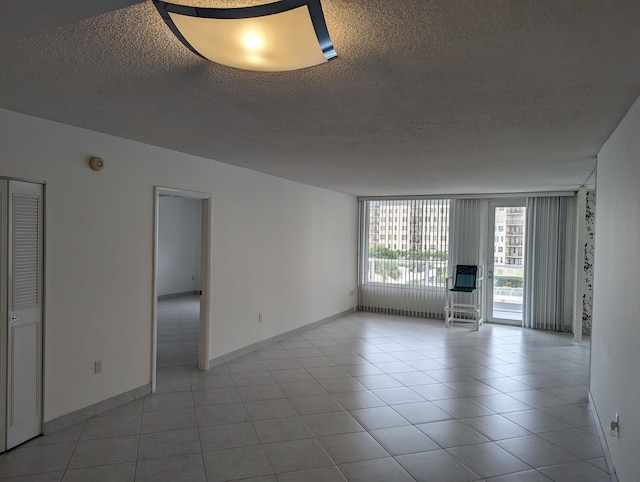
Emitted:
<point x="505" y="261"/>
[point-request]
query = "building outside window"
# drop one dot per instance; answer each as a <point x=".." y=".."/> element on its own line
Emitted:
<point x="422" y="261"/>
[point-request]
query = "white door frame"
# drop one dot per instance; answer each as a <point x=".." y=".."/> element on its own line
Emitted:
<point x="205" y="276"/>
<point x="489" y="275"/>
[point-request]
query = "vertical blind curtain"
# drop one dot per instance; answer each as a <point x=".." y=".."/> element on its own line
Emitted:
<point x="403" y="256"/>
<point x="464" y="237"/>
<point x="464" y="232"/>
<point x="546" y="264"/>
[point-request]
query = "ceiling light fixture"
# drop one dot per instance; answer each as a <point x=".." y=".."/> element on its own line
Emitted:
<point x="280" y="36"/>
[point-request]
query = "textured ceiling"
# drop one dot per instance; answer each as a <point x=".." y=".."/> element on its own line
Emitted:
<point x="426" y="97"/>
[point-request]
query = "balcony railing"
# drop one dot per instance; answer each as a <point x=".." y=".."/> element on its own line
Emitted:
<point x="412" y="273"/>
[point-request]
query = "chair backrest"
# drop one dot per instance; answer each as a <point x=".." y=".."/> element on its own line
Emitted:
<point x="465" y="279"/>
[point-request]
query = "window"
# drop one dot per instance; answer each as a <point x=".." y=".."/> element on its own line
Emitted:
<point x="500" y="249"/>
<point x="419" y="264"/>
<point x="500" y="229"/>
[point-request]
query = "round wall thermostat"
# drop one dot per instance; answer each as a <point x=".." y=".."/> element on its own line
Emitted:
<point x="96" y="163"/>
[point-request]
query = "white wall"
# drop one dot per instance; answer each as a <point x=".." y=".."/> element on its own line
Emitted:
<point x="179" y="233"/>
<point x="615" y="342"/>
<point x="281" y="248"/>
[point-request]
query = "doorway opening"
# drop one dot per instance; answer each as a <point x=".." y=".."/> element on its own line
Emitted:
<point x="505" y="261"/>
<point x="181" y="286"/>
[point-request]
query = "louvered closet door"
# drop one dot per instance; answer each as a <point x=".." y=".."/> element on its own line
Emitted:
<point x="4" y="212"/>
<point x="24" y="351"/>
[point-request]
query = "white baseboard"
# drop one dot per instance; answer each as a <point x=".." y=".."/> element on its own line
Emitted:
<point x="603" y="439"/>
<point x="274" y="339"/>
<point x="95" y="409"/>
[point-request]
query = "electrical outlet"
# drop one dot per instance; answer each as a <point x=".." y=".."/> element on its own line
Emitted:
<point x="97" y="366"/>
<point x="259" y="317"/>
<point x="352" y="292"/>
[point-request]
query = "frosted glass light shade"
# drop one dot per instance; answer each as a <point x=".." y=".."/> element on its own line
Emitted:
<point x="273" y="37"/>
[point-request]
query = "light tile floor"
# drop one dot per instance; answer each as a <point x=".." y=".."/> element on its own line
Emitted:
<point x="365" y="398"/>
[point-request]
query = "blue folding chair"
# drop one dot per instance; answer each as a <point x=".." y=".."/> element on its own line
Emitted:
<point x="467" y="279"/>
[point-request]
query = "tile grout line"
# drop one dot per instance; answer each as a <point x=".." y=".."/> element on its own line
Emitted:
<point x="377" y="334"/>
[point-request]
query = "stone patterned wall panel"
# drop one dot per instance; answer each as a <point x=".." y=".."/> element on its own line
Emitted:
<point x="590" y="227"/>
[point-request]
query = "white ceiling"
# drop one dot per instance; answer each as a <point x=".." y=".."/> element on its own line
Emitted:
<point x="426" y="97"/>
